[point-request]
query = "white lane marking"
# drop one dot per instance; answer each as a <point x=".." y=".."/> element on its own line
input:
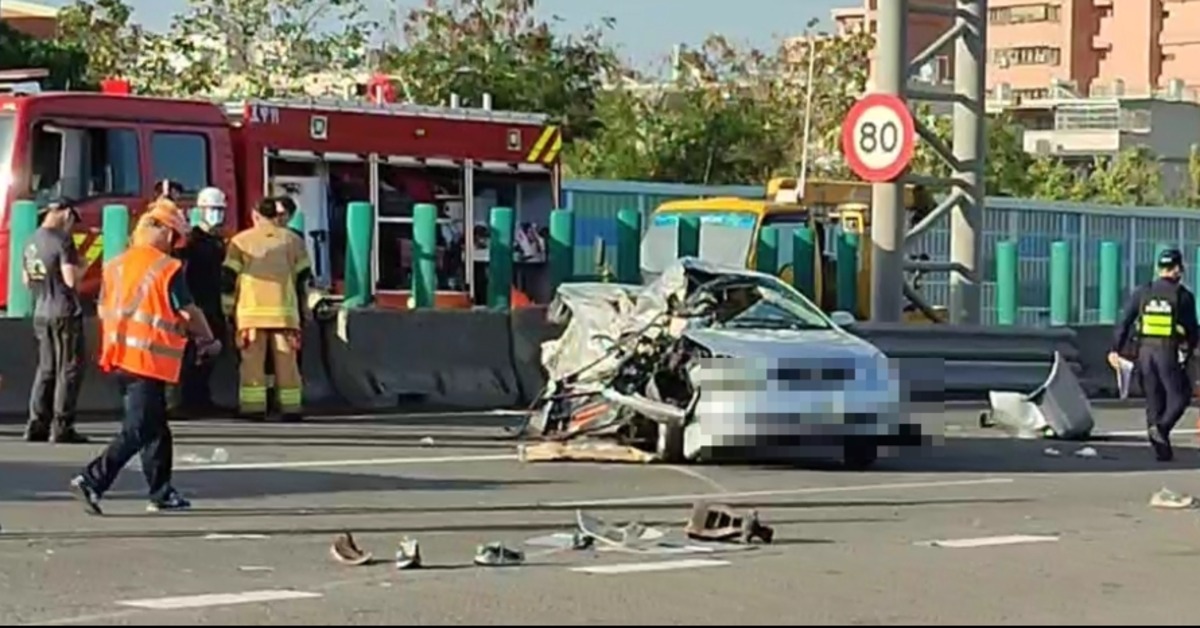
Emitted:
<point x="218" y="599"/>
<point x="372" y="462"/>
<point x="991" y="541"/>
<point x="633" y="501"/>
<point x="235" y="537"/>
<point x="668" y="565"/>
<point x="1143" y="432"/>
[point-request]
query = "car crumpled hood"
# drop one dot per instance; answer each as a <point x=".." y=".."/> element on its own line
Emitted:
<point x="783" y="343"/>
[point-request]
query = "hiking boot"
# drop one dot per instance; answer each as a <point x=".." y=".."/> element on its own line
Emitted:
<point x="35" y="433"/>
<point x="496" y="555"/>
<point x="1161" y="444"/>
<point x="70" y="437"/>
<point x="82" y="490"/>
<point x="172" y="502"/>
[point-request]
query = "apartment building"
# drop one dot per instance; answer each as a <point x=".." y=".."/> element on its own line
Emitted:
<point x="37" y="20"/>
<point x="1148" y="45"/>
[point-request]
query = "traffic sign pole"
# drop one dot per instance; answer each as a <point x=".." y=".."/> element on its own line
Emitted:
<point x="878" y="141"/>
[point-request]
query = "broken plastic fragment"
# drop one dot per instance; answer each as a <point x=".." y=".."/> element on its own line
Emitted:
<point x="408" y="555"/>
<point x="1051" y="452"/>
<point x="722" y="523"/>
<point x="1087" y="452"/>
<point x="220" y="456"/>
<point x="497" y="555"/>
<point x="427" y="441"/>
<point x="346" y="552"/>
<point x="1171" y="500"/>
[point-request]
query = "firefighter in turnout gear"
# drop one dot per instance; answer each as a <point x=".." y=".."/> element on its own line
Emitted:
<point x="1167" y="335"/>
<point x="264" y="266"/>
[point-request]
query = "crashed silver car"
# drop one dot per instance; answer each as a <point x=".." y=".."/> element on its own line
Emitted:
<point x="712" y="362"/>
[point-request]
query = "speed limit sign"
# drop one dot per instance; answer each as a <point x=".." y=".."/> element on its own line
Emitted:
<point x="878" y="137"/>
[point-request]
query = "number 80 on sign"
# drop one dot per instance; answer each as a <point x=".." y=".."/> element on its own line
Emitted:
<point x="878" y="138"/>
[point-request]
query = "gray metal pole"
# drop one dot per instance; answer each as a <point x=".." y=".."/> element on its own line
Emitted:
<point x="970" y="148"/>
<point x="887" y="199"/>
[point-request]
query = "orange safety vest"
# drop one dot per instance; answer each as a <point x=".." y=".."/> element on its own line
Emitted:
<point x="140" y="332"/>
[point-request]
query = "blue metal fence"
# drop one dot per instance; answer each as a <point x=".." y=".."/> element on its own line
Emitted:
<point x="1034" y="225"/>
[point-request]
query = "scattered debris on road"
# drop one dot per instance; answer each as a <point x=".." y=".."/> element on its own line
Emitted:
<point x="581" y="451"/>
<point x="497" y="555"/>
<point x="1087" y="452"/>
<point x="723" y="523"/>
<point x="408" y="554"/>
<point x="626" y="536"/>
<point x="1170" y="500"/>
<point x="1052" y="452"/>
<point x="427" y="441"/>
<point x="1058" y="409"/>
<point x="346" y="552"/>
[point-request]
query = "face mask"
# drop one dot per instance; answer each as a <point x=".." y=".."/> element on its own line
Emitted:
<point x="214" y="216"/>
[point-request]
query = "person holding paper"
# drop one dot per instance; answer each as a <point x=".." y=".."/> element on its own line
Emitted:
<point x="1167" y="335"/>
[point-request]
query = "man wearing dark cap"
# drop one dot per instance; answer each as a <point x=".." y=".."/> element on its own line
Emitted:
<point x="52" y="272"/>
<point x="1167" y="336"/>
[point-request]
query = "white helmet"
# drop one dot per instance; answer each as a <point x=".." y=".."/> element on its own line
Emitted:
<point x="210" y="197"/>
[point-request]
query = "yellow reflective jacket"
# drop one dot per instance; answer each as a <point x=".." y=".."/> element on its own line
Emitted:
<point x="267" y="260"/>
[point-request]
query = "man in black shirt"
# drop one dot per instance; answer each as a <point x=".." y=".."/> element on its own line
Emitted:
<point x="204" y="256"/>
<point x="1168" y="334"/>
<point x="52" y="272"/>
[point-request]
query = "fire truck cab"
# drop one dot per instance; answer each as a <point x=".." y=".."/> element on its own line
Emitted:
<point x="114" y="148"/>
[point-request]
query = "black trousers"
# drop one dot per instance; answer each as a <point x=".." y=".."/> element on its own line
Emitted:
<point x="195" y="381"/>
<point x="145" y="430"/>
<point x="59" y="373"/>
<point x="1166" y="385"/>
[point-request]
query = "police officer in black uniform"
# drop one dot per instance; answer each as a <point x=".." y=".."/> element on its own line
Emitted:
<point x="1167" y="336"/>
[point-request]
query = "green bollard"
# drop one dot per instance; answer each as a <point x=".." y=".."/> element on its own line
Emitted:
<point x="196" y="217"/>
<point x="1110" y="281"/>
<point x="114" y="231"/>
<point x="424" y="270"/>
<point x="767" y="256"/>
<point x="562" y="248"/>
<point x="847" y="273"/>
<point x="688" y="243"/>
<point x="804" y="278"/>
<point x="360" y="223"/>
<point x="296" y="223"/>
<point x="21" y="226"/>
<point x="629" y="253"/>
<point x="1006" y="283"/>
<point x="1060" y="284"/>
<point x="500" y="259"/>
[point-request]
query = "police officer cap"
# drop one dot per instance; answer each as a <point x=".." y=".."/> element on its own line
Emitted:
<point x="1170" y="258"/>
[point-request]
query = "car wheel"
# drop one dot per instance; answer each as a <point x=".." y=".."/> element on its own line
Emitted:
<point x="859" y="456"/>
<point x="670" y="443"/>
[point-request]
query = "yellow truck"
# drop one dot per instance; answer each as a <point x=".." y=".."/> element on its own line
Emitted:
<point x="730" y="228"/>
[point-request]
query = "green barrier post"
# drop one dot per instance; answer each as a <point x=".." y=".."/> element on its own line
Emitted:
<point x="360" y="223"/>
<point x="500" y="259"/>
<point x="629" y="236"/>
<point x="689" y="237"/>
<point x="296" y="223"/>
<point x="803" y="272"/>
<point x="114" y="229"/>
<point x="847" y="273"/>
<point x="1060" y="284"/>
<point x="767" y="255"/>
<point x="196" y="217"/>
<point x="1006" y="283"/>
<point x="562" y="248"/>
<point x="21" y="226"/>
<point x="1110" y="281"/>
<point x="424" y="271"/>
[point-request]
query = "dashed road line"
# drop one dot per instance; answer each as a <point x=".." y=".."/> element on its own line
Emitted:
<point x="668" y="565"/>
<point x="218" y="599"/>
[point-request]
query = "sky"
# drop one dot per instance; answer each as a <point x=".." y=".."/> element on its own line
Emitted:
<point x="645" y="31"/>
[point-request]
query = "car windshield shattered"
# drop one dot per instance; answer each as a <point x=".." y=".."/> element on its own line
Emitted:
<point x="752" y="302"/>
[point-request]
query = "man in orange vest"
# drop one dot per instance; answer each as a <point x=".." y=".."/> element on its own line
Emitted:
<point x="146" y="314"/>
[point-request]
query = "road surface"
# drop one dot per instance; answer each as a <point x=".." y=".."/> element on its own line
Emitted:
<point x="1046" y="539"/>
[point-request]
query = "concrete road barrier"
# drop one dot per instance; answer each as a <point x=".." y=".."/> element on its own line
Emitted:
<point x="381" y="359"/>
<point x="529" y="330"/>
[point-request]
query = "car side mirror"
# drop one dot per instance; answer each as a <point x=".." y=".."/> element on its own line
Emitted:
<point x="843" y="319"/>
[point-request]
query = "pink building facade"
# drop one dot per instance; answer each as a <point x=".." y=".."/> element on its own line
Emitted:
<point x="1138" y="46"/>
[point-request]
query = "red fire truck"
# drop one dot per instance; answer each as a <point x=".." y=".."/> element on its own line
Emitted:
<point x="111" y="147"/>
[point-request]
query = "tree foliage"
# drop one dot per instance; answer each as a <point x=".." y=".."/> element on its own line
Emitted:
<point x="67" y="65"/>
<point x="500" y="47"/>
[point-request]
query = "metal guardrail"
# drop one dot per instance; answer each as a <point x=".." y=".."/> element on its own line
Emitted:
<point x="967" y="361"/>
